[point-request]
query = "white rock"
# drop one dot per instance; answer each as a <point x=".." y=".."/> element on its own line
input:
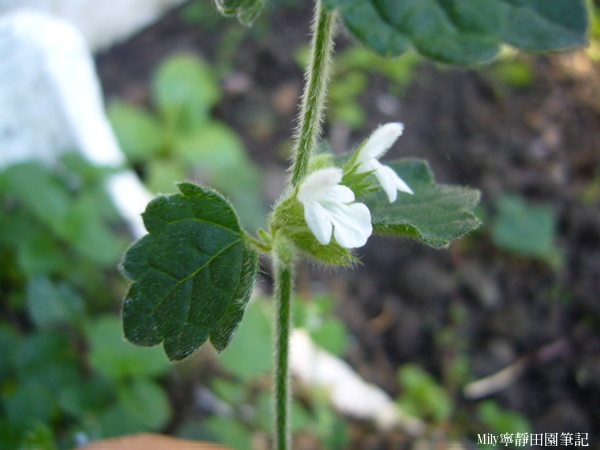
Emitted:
<point x="50" y="102"/>
<point x="348" y="392"/>
<point x="102" y="23"/>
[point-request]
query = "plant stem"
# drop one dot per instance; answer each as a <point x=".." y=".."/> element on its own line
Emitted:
<point x="283" y="271"/>
<point x="311" y="114"/>
<point x="313" y="99"/>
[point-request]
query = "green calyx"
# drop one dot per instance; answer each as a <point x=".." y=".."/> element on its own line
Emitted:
<point x="288" y="220"/>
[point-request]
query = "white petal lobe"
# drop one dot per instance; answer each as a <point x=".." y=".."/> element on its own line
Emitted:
<point x="376" y="146"/>
<point x="352" y="225"/>
<point x="385" y="175"/>
<point x="319" y="182"/>
<point x="328" y="209"/>
<point x="318" y="221"/>
<point x="381" y="140"/>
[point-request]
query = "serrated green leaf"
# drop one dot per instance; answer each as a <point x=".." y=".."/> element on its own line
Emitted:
<point x="217" y="155"/>
<point x="184" y="89"/>
<point x="435" y="214"/>
<point x="193" y="273"/>
<point x="222" y="335"/>
<point x="139" y="133"/>
<point x="246" y="11"/>
<point x="464" y="31"/>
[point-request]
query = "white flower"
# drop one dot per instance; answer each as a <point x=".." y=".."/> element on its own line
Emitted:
<point x="376" y="146"/>
<point x="328" y="208"/>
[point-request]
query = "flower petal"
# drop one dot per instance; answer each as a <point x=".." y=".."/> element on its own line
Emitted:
<point x="386" y="180"/>
<point x="380" y="141"/>
<point x="391" y="182"/>
<point x="338" y="194"/>
<point x="367" y="166"/>
<point x="318" y="220"/>
<point x="351" y="224"/>
<point x="400" y="183"/>
<point x="319" y="182"/>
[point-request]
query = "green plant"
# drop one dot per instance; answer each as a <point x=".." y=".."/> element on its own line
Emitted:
<point x="183" y="140"/>
<point x="192" y="275"/>
<point x="500" y="421"/>
<point x="66" y="374"/>
<point x="593" y="49"/>
<point x="525" y="229"/>
<point x="247" y="362"/>
<point x="421" y="396"/>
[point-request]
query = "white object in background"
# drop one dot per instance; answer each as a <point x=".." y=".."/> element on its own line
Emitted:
<point x="102" y="23"/>
<point x="50" y="102"/>
<point x="349" y="393"/>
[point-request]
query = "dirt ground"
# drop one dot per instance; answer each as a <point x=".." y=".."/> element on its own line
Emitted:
<point x="407" y="303"/>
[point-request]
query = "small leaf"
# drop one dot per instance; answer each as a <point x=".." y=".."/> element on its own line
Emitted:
<point x="435" y="214"/>
<point x="464" y="31"/>
<point x="528" y="230"/>
<point x="193" y="273"/>
<point x="246" y="11"/>
<point x="33" y="186"/>
<point x="51" y="304"/>
<point x="500" y="420"/>
<point x="184" y="89"/>
<point x="331" y="335"/>
<point x="214" y="145"/>
<point x="139" y="133"/>
<point x="89" y="233"/>
<point x="116" y="358"/>
<point x="421" y="395"/>
<point x="162" y="173"/>
<point x="146" y="402"/>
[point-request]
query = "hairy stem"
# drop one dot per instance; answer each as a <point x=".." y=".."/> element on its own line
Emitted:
<point x="315" y="90"/>
<point x="311" y="114"/>
<point x="283" y="272"/>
